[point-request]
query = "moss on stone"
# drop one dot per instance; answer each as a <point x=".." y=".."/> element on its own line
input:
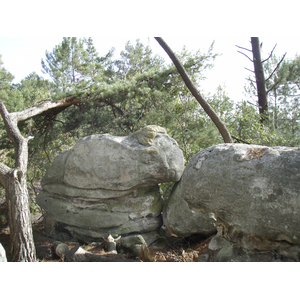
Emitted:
<point x="146" y="135"/>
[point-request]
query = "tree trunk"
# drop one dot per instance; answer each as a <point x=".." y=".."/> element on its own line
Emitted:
<point x="14" y="182"/>
<point x="260" y="79"/>
<point x="14" y="179"/>
<point x="190" y="85"/>
<point x="21" y="236"/>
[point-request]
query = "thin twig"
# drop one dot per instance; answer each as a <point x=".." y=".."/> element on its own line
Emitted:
<point x="272" y="87"/>
<point x="250" y="80"/>
<point x="243" y="48"/>
<point x="246" y="55"/>
<point x="249" y="70"/>
<point x="276" y="67"/>
<point x="253" y="104"/>
<point x="239" y="140"/>
<point x="270" y="54"/>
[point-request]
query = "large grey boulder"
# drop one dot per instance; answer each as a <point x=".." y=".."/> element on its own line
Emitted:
<point x="109" y="184"/>
<point x="83" y="217"/>
<point x="147" y="157"/>
<point x="253" y="192"/>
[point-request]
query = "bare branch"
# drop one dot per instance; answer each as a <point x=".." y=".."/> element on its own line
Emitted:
<point x="10" y="125"/>
<point x="270" y="54"/>
<point x="246" y="56"/>
<point x="249" y="70"/>
<point x="276" y="67"/>
<point x="256" y="105"/>
<point x="272" y="87"/>
<point x="239" y="140"/>
<point x="47" y="105"/>
<point x="243" y="48"/>
<point x="250" y="80"/>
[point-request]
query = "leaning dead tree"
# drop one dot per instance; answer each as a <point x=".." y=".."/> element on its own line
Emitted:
<point x="14" y="179"/>
<point x="190" y="85"/>
<point x="262" y="92"/>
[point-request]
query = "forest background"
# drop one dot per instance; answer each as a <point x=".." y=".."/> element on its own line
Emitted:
<point x="122" y="92"/>
<point x="161" y="18"/>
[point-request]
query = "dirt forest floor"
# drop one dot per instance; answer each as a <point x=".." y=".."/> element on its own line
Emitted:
<point x="183" y="252"/>
<point x="186" y="250"/>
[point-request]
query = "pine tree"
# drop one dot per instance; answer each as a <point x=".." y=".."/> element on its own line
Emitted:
<point x="64" y="64"/>
<point x="135" y="90"/>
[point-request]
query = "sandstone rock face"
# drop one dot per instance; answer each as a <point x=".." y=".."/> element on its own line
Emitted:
<point x="252" y="190"/>
<point x="181" y="220"/>
<point x="109" y="184"/>
<point x="102" y="161"/>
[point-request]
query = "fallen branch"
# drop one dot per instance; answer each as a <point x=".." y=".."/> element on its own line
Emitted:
<point x="41" y="108"/>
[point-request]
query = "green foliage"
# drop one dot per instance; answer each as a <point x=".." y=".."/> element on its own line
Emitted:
<point x="282" y="85"/>
<point x="10" y="96"/>
<point x="34" y="89"/>
<point x="135" y="90"/>
<point x="73" y="65"/>
<point x="246" y="127"/>
<point x="120" y="96"/>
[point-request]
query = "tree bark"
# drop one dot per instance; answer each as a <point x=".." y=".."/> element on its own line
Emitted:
<point x="14" y="182"/>
<point x="260" y="79"/>
<point x="21" y="236"/>
<point x="190" y="85"/>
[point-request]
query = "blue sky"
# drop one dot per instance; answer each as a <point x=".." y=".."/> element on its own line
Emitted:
<point x="23" y="55"/>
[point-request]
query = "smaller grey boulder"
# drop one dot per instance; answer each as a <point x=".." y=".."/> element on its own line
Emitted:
<point x="136" y="244"/>
<point x="183" y="221"/>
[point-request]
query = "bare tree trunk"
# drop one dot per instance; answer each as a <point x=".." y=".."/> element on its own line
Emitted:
<point x="14" y="180"/>
<point x="190" y="85"/>
<point x="21" y="236"/>
<point x="260" y="79"/>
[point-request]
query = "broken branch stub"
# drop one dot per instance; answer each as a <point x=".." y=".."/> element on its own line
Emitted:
<point x="111" y="244"/>
<point x="60" y="249"/>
